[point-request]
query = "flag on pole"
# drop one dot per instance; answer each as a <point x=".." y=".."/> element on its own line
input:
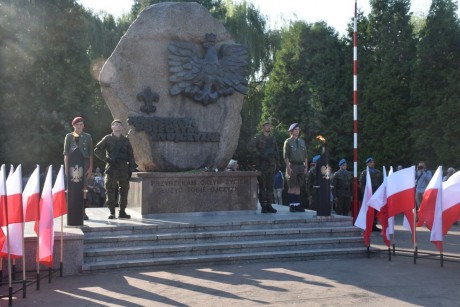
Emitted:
<point x="59" y="197"/>
<point x="2" y="204"/>
<point x="31" y="196"/>
<point x="401" y="194"/>
<point x="365" y="219"/>
<point x="14" y="197"/>
<point x="14" y="214"/>
<point x="45" y="226"/>
<point x="378" y="201"/>
<point x="430" y="212"/>
<point x="450" y="202"/>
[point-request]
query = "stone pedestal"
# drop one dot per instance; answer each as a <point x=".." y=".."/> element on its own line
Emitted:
<point x="154" y="193"/>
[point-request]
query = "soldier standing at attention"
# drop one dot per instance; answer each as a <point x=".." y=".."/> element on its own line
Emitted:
<point x="342" y="190"/>
<point x="82" y="141"/>
<point x="115" y="149"/>
<point x="295" y="156"/>
<point x="376" y="181"/>
<point x="263" y="146"/>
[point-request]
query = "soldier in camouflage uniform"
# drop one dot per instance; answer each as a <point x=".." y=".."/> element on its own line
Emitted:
<point x="295" y="156"/>
<point x="115" y="149"/>
<point x="263" y="146"/>
<point x="376" y="181"/>
<point x="342" y="190"/>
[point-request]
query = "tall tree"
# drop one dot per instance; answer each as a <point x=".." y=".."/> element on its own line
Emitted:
<point x="387" y="71"/>
<point x="306" y="85"/>
<point x="435" y="89"/>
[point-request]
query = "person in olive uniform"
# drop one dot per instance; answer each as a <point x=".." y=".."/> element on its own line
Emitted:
<point x="311" y="183"/>
<point x="115" y="149"/>
<point x="84" y="142"/>
<point x="342" y="182"/>
<point x="296" y="158"/>
<point x="263" y="147"/>
<point x="376" y="181"/>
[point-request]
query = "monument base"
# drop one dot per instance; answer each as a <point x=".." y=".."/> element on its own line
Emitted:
<point x="154" y="193"/>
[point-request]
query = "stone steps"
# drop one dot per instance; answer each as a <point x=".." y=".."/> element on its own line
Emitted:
<point x="215" y="236"/>
<point x="227" y="258"/>
<point x="182" y="250"/>
<point x="262" y="239"/>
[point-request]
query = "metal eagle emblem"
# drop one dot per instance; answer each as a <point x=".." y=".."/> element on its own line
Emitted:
<point x="326" y="171"/>
<point x="220" y="72"/>
<point x="76" y="173"/>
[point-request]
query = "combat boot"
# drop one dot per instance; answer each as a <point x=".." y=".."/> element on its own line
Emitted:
<point x="123" y="215"/>
<point x="270" y="209"/>
<point x="112" y="214"/>
<point x="264" y="209"/>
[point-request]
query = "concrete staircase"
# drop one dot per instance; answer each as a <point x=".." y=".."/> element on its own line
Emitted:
<point x="158" y="245"/>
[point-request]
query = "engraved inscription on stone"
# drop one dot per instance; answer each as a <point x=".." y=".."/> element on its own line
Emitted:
<point x="172" y="129"/>
<point x="212" y="185"/>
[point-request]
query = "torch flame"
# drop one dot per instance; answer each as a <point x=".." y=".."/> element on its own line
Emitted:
<point x="321" y="138"/>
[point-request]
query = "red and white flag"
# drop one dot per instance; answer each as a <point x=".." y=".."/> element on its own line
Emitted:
<point x="2" y="204"/>
<point x="59" y="197"/>
<point x="430" y="212"/>
<point x="14" y="196"/>
<point x="365" y="219"/>
<point x="450" y="202"/>
<point x="45" y="231"/>
<point x="15" y="214"/>
<point x="401" y="194"/>
<point x="31" y="196"/>
<point x="378" y="201"/>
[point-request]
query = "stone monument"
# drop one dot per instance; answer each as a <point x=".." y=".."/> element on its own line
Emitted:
<point x="178" y="79"/>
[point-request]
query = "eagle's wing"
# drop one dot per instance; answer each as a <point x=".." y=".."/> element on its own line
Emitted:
<point x="233" y="60"/>
<point x="185" y="67"/>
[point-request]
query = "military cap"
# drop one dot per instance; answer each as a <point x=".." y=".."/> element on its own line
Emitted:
<point x="266" y="123"/>
<point x="116" y="121"/>
<point x="315" y="158"/>
<point x="369" y="159"/>
<point x="77" y="120"/>
<point x="343" y="161"/>
<point x="293" y="126"/>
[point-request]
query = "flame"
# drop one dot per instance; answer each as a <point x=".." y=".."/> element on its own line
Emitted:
<point x="321" y="138"/>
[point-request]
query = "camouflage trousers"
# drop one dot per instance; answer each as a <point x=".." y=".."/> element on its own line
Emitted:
<point x="266" y="183"/>
<point x="117" y="179"/>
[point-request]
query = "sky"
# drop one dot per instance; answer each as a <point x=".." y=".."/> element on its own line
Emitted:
<point x="336" y="13"/>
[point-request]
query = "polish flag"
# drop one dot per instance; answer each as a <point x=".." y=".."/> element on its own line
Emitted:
<point x="450" y="202"/>
<point x="45" y="231"/>
<point x="430" y="211"/>
<point x="59" y="197"/>
<point x="365" y="219"/>
<point x="378" y="201"/>
<point x="2" y="204"/>
<point x="31" y="196"/>
<point x="401" y="194"/>
<point x="14" y="208"/>
<point x="14" y="196"/>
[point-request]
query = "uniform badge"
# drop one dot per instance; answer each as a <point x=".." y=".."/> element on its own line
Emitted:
<point x="326" y="171"/>
<point x="76" y="173"/>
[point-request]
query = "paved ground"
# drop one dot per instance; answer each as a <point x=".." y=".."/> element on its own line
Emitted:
<point x="362" y="281"/>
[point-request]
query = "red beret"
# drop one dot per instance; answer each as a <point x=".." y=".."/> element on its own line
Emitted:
<point x="77" y="120"/>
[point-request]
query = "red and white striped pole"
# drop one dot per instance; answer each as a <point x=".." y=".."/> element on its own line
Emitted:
<point x="355" y="114"/>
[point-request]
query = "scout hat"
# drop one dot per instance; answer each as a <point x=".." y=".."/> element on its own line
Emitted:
<point x="77" y="120"/>
<point x="293" y="126"/>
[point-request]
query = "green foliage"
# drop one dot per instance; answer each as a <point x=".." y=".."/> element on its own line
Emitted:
<point x="307" y="83"/>
<point x="435" y="89"/>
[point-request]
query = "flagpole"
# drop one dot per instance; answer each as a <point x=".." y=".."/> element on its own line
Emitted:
<point x="38" y="248"/>
<point x="10" y="279"/>
<point x="24" y="283"/>
<point x="355" y="114"/>
<point x="414" y="235"/>
<point x="61" y="265"/>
